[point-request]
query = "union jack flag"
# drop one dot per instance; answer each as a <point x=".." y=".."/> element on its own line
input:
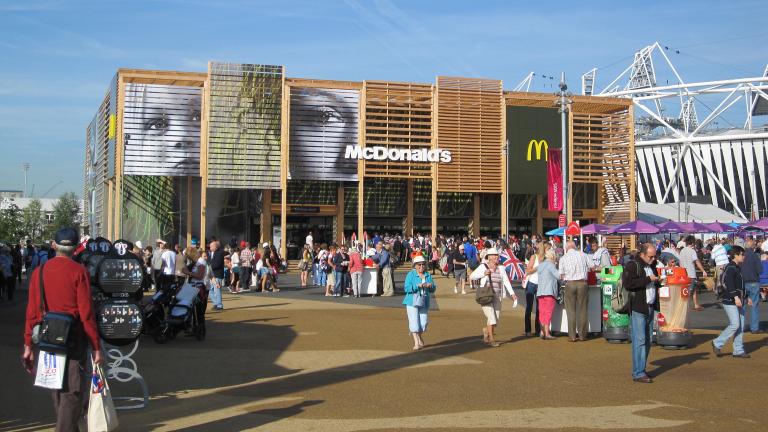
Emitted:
<point x="514" y="267"/>
<point x="97" y="384"/>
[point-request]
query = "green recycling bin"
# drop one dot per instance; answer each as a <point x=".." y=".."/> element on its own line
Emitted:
<point x="615" y="325"/>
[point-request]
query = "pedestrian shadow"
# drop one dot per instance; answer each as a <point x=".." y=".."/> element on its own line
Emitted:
<point x="296" y="383"/>
<point x="253" y="419"/>
<point x="755" y="345"/>
<point x="255" y="306"/>
<point x="667" y="364"/>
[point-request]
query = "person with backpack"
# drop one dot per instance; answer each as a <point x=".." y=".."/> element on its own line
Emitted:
<point x="731" y="290"/>
<point x="640" y="279"/>
<point x="492" y="275"/>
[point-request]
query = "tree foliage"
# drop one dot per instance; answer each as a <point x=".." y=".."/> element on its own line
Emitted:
<point x="33" y="220"/>
<point x="66" y="213"/>
<point x="11" y="221"/>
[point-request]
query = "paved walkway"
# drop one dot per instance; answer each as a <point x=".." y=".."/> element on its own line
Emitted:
<point x="299" y="361"/>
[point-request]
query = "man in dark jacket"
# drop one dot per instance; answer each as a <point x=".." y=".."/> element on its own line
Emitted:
<point x="750" y="271"/>
<point x="733" y="305"/>
<point x="640" y="280"/>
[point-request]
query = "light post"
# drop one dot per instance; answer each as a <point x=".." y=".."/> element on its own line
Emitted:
<point x="564" y="104"/>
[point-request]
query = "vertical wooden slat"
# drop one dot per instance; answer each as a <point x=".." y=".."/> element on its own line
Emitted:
<point x="475" y="228"/>
<point x="340" y="212"/>
<point x="570" y="152"/>
<point x="632" y="172"/>
<point x="266" y="216"/>
<point x="119" y="157"/>
<point x="409" y="208"/>
<point x="361" y="163"/>
<point x="110" y="208"/>
<point x="504" y="176"/>
<point x="284" y="146"/>
<point x="189" y="213"/>
<point x="205" y="119"/>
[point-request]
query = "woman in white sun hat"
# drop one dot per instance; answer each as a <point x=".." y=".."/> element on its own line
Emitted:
<point x="493" y="273"/>
<point x="418" y="287"/>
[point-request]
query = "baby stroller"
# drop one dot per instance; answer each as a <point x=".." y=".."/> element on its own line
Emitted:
<point x="156" y="310"/>
<point x="185" y="315"/>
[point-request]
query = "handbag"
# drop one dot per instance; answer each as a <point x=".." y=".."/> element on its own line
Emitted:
<point x="418" y="298"/>
<point x="54" y="332"/>
<point x="484" y="295"/>
<point x="560" y="293"/>
<point x="102" y="416"/>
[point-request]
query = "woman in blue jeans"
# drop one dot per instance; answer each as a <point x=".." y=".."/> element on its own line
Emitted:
<point x="418" y="283"/>
<point x="733" y="304"/>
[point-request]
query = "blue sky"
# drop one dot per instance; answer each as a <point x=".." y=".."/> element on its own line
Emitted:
<point x="59" y="56"/>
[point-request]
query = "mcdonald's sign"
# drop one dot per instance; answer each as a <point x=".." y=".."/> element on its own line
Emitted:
<point x="539" y="145"/>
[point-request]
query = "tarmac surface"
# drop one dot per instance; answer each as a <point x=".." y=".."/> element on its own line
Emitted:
<point x="299" y="361"/>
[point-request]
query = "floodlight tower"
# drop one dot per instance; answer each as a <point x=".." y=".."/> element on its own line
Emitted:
<point x="25" y="167"/>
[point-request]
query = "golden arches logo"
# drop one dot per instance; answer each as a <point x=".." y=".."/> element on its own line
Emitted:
<point x="539" y="144"/>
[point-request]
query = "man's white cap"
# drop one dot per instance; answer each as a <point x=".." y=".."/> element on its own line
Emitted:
<point x="265" y="245"/>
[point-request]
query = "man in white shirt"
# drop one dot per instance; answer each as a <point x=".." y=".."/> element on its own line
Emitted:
<point x="310" y="241"/>
<point x="168" y="268"/>
<point x="574" y="266"/>
<point x="720" y="257"/>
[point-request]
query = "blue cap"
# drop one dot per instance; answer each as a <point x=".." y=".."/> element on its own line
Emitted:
<point x="195" y="242"/>
<point x="67" y="237"/>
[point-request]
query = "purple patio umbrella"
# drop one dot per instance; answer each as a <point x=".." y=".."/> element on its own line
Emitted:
<point x="635" y="227"/>
<point x="671" y="227"/>
<point x="761" y="225"/>
<point x="719" y="227"/>
<point x="696" y="227"/>
<point x="595" y="229"/>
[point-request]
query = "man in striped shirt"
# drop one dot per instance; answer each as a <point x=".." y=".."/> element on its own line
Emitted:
<point x="246" y="266"/>
<point x="574" y="266"/>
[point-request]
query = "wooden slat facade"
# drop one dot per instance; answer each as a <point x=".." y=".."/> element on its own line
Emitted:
<point x="397" y="115"/>
<point x="96" y="167"/>
<point x="470" y="124"/>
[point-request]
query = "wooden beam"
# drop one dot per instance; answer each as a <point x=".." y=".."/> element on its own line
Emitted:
<point x="285" y="137"/>
<point x="361" y="163"/>
<point x="539" y="214"/>
<point x="110" y="209"/>
<point x="569" y="155"/>
<point x="266" y="216"/>
<point x="340" y="211"/>
<point x="632" y="174"/>
<point x="475" y="222"/>
<point x="119" y="158"/>
<point x="504" y="180"/>
<point x="408" y="229"/>
<point x="189" y="213"/>
<point x="327" y="84"/>
<point x="205" y="119"/>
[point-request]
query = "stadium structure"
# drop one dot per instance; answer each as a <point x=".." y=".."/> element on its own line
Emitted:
<point x="696" y="142"/>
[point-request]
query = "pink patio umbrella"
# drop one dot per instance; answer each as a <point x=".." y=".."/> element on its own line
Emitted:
<point x="634" y="227"/>
<point x="595" y="229"/>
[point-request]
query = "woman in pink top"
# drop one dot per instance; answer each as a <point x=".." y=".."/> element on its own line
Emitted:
<point x="356" y="271"/>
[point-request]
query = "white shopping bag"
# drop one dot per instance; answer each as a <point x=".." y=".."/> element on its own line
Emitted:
<point x="102" y="416"/>
<point x="50" y="370"/>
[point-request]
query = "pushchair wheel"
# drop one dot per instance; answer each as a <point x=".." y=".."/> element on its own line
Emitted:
<point x="160" y="333"/>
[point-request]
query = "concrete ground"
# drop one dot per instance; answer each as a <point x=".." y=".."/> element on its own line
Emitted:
<point x="299" y="361"/>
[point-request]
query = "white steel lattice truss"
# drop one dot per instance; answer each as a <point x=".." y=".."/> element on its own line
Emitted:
<point x="681" y="157"/>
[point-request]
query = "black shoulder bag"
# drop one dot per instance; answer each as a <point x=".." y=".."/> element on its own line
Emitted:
<point x="55" y="329"/>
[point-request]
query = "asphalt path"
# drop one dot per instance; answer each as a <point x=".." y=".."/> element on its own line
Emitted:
<point x="299" y="361"/>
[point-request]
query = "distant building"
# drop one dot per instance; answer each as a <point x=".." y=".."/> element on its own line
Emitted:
<point x="8" y="193"/>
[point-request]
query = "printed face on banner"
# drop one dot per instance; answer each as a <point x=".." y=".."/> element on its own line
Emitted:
<point x="323" y="123"/>
<point x="162" y="130"/>
<point x="531" y="132"/>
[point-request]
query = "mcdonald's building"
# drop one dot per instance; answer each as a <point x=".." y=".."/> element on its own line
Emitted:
<point x="244" y="151"/>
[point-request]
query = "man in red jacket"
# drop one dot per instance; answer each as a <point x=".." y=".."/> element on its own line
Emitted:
<point x="67" y="289"/>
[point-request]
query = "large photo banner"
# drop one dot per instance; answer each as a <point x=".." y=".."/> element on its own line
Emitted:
<point x="323" y="123"/>
<point x="162" y="130"/>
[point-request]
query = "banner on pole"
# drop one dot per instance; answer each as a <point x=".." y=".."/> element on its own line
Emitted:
<point x="554" y="179"/>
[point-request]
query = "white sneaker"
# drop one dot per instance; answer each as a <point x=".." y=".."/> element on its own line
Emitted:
<point x="455" y="290"/>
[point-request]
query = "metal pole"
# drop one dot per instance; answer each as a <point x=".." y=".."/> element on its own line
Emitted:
<point x="25" y="167"/>
<point x="563" y="136"/>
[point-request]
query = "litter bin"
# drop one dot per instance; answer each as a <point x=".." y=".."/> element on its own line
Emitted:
<point x="672" y="319"/>
<point x="615" y="325"/>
